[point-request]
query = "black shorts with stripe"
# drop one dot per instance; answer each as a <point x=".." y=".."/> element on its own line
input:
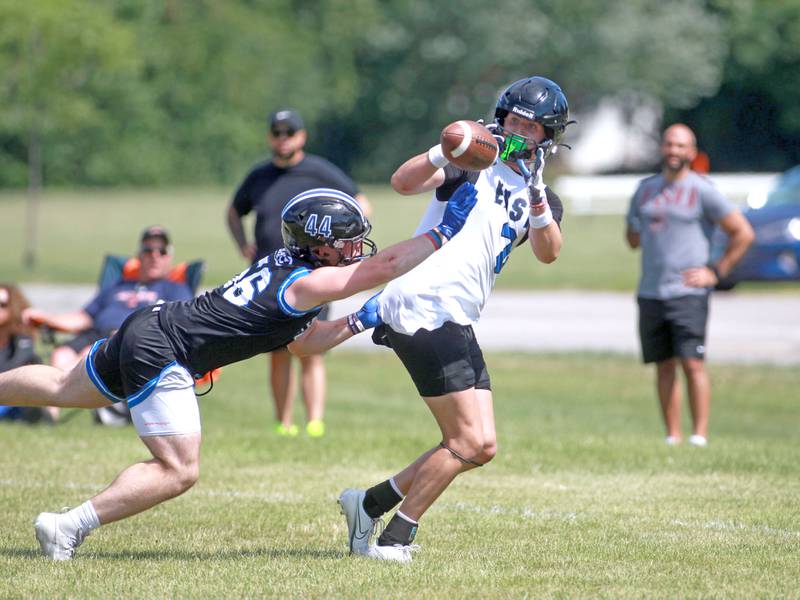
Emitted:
<point x="445" y="360"/>
<point x="131" y="361"/>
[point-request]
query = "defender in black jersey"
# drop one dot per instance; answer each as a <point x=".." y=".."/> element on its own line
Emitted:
<point x="151" y="360"/>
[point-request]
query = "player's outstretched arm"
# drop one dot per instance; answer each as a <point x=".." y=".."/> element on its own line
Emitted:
<point x="545" y="234"/>
<point x="334" y="283"/>
<point x="420" y="173"/>
<point x="326" y="284"/>
<point x="324" y="335"/>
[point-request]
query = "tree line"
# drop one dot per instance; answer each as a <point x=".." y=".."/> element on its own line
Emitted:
<point x="153" y="92"/>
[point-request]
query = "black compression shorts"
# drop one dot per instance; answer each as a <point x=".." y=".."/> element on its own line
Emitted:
<point x="445" y="360"/>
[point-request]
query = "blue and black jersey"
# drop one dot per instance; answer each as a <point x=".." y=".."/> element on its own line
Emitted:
<point x="244" y="317"/>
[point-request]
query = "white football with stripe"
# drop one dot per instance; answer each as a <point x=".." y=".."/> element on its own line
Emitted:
<point x="469" y="145"/>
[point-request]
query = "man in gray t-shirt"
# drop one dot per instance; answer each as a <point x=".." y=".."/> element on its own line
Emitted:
<point x="671" y="218"/>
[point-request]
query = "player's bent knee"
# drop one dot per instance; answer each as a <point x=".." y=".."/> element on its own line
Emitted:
<point x="488" y="452"/>
<point x="180" y="476"/>
<point x="469" y="460"/>
<point x="188" y="477"/>
<point x="466" y="445"/>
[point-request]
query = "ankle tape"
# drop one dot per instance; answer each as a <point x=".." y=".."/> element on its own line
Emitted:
<point x="464" y="460"/>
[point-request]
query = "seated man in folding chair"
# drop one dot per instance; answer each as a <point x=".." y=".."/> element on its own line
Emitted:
<point x="111" y="306"/>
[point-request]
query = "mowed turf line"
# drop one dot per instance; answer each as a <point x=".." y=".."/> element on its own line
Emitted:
<point x="583" y="500"/>
<point x="78" y="227"/>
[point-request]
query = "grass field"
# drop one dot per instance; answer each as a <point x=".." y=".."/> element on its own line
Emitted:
<point x="583" y="501"/>
<point x="78" y="227"/>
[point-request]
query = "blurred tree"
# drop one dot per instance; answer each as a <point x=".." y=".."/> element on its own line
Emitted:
<point x="218" y="68"/>
<point x="177" y="91"/>
<point x="753" y="123"/>
<point x="62" y="62"/>
<point x="424" y="65"/>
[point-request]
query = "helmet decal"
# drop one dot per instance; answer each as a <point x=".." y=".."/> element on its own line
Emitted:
<point x="316" y="192"/>
<point x="325" y="218"/>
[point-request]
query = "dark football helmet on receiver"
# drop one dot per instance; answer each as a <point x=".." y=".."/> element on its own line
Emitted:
<point x="326" y="218"/>
<point x="538" y="99"/>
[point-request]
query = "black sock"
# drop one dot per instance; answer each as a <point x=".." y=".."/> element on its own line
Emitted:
<point x="398" y="531"/>
<point x="380" y="499"/>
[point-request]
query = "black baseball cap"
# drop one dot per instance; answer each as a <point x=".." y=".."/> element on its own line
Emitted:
<point x="155" y="231"/>
<point x="286" y="117"/>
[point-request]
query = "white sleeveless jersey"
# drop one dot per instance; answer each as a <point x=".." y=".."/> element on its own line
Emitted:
<point x="454" y="283"/>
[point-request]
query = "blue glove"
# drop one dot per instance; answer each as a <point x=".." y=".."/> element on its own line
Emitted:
<point x="458" y="208"/>
<point x="367" y="317"/>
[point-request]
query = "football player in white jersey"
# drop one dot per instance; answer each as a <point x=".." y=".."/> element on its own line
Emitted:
<point x="428" y="313"/>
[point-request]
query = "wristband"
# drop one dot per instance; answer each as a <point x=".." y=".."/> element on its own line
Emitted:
<point x="714" y="269"/>
<point x="542" y="220"/>
<point x="355" y="324"/>
<point x="437" y="157"/>
<point x="436" y="237"/>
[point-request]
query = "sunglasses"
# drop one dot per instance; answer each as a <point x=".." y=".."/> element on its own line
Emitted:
<point x="279" y="133"/>
<point x="161" y="250"/>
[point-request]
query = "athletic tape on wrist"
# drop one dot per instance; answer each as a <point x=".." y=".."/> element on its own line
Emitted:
<point x="542" y="220"/>
<point x="437" y="157"/>
<point x="355" y="324"/>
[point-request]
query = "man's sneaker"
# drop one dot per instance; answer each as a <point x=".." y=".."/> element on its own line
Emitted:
<point x="284" y="431"/>
<point x="396" y="553"/>
<point x="360" y="526"/>
<point x="315" y="428"/>
<point x="58" y="537"/>
<point x="698" y="440"/>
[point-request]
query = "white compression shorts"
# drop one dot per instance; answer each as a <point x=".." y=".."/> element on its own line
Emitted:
<point x="172" y="407"/>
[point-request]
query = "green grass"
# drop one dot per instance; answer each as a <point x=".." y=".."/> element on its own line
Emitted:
<point x="583" y="500"/>
<point x="78" y="227"/>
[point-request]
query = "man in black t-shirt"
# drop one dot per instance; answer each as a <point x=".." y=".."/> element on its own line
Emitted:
<point x="152" y="360"/>
<point x="265" y="191"/>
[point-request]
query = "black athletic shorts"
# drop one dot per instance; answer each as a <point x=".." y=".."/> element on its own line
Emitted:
<point x="129" y="363"/>
<point x="447" y="359"/>
<point x="83" y="339"/>
<point x="673" y="328"/>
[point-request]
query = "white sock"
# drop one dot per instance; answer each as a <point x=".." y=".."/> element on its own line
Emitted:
<point x="406" y="518"/>
<point x="84" y="517"/>
<point x="395" y="488"/>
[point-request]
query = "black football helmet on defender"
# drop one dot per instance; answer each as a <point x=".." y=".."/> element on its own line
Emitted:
<point x="324" y="217"/>
<point x="538" y="99"/>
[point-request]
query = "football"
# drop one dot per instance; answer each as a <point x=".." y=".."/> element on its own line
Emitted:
<point x="469" y="145"/>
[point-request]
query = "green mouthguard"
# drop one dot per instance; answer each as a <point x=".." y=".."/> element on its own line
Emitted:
<point x="514" y="146"/>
